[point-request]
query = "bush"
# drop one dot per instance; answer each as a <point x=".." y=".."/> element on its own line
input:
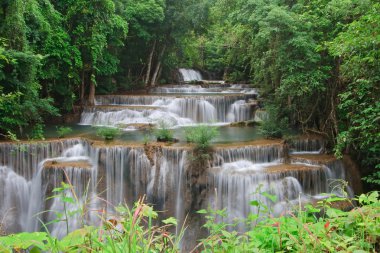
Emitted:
<point x="163" y="133"/>
<point x="63" y="131"/>
<point x="315" y="228"/>
<point x="274" y="126"/>
<point x="108" y="133"/>
<point x="201" y="135"/>
<point x="38" y="132"/>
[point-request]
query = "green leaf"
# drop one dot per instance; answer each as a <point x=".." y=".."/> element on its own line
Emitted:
<point x="254" y="203"/>
<point x="25" y="240"/>
<point x="170" y="220"/>
<point x="68" y="200"/>
<point x="273" y="198"/>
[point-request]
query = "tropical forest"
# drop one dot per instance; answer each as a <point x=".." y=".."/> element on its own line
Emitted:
<point x="189" y="126"/>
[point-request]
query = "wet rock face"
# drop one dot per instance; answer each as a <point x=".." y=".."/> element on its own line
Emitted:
<point x="197" y="178"/>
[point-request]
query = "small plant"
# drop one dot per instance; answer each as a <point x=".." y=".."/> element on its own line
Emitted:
<point x="127" y="230"/>
<point x="63" y="131"/>
<point x="108" y="133"/>
<point x="274" y="126"/>
<point x="38" y="132"/>
<point x="312" y="228"/>
<point x="201" y="135"/>
<point x="163" y="133"/>
<point x="12" y="136"/>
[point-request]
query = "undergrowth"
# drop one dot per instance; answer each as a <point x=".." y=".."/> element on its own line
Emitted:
<point x="308" y="228"/>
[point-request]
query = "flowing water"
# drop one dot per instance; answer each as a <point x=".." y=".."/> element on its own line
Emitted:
<point x="105" y="175"/>
<point x="175" y="111"/>
<point x="189" y="75"/>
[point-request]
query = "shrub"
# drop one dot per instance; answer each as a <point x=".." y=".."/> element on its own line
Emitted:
<point x="314" y="228"/>
<point x="108" y="133"/>
<point x="274" y="126"/>
<point x="38" y="132"/>
<point x="163" y="133"/>
<point x="201" y="135"/>
<point x="63" y="131"/>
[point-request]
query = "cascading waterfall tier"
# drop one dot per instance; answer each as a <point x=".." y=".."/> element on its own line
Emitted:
<point x="189" y="75"/>
<point x="105" y="176"/>
<point x="241" y="174"/>
<point x="128" y="111"/>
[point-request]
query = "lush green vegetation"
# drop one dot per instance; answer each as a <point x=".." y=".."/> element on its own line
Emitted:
<point x="163" y="132"/>
<point x="317" y="62"/>
<point x="108" y="133"/>
<point x="63" y="131"/>
<point x="317" y="228"/>
<point x="201" y="136"/>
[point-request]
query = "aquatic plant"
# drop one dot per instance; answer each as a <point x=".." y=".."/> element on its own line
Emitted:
<point x="163" y="133"/>
<point x="201" y="135"/>
<point x="108" y="133"/>
<point x="63" y="131"/>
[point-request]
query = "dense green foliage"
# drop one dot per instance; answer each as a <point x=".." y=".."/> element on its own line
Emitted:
<point x="302" y="230"/>
<point x="317" y="61"/>
<point x="55" y="54"/>
<point x="273" y="126"/>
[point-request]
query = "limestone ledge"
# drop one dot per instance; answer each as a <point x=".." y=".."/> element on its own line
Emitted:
<point x="72" y="164"/>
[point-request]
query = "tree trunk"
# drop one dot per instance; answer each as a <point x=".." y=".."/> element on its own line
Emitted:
<point x="82" y="89"/>
<point x="150" y="59"/>
<point x="91" y="94"/>
<point x="158" y="67"/>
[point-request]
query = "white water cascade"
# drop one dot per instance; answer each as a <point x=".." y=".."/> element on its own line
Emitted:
<point x="128" y="111"/>
<point x="190" y="75"/>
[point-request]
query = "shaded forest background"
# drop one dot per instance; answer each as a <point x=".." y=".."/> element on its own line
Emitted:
<point x="317" y="62"/>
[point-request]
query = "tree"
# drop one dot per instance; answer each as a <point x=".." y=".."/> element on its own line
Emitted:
<point x="359" y="109"/>
<point x="95" y="29"/>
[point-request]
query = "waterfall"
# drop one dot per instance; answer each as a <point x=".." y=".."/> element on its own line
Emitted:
<point x="124" y="174"/>
<point x="240" y="174"/>
<point x="14" y="199"/>
<point x="106" y="176"/>
<point x="183" y="89"/>
<point x="175" y="111"/>
<point x="256" y="154"/>
<point x="261" y="115"/>
<point x="190" y="75"/>
<point x="240" y="111"/>
<point x="24" y="158"/>
<point x="307" y="145"/>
